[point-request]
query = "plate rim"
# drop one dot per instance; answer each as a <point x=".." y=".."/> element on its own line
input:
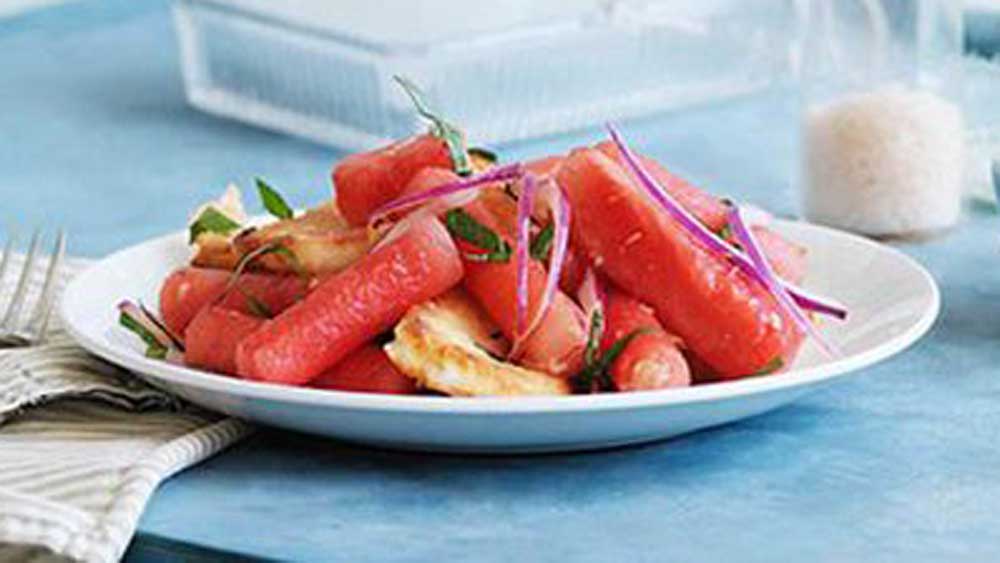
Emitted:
<point x="205" y="381"/>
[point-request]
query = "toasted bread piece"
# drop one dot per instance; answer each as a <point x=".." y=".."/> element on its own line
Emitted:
<point x="320" y="239"/>
<point x="446" y="345"/>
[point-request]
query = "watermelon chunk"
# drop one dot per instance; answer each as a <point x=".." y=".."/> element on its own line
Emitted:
<point x="653" y="358"/>
<point x="350" y="308"/>
<point x="366" y="370"/>
<point x="709" y="209"/>
<point x="365" y="181"/>
<point x="189" y="290"/>
<point x="212" y="336"/>
<point x="729" y="320"/>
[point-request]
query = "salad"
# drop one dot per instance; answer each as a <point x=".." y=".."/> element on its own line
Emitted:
<point x="437" y="268"/>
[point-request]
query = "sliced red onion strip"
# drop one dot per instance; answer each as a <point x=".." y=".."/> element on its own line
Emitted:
<point x="175" y="340"/>
<point x="557" y="202"/>
<point x="591" y="295"/>
<point x="814" y="303"/>
<point x="524" y="205"/>
<point x="770" y="280"/>
<point x="395" y="231"/>
<point x="707" y="237"/>
<point x="667" y="202"/>
<point x="499" y="174"/>
<point x="755" y="216"/>
<point x="140" y="315"/>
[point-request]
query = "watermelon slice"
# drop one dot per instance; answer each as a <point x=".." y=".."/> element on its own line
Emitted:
<point x="352" y="307"/>
<point x="730" y="321"/>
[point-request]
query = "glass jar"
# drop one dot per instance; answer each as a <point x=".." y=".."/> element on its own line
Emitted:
<point x="883" y="142"/>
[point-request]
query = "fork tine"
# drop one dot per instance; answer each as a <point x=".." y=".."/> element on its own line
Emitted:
<point x="17" y="301"/>
<point x="43" y="310"/>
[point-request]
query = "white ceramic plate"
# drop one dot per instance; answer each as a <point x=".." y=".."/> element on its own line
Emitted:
<point x="893" y="302"/>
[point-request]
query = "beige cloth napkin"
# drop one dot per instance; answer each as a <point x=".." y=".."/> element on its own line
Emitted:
<point x="83" y="445"/>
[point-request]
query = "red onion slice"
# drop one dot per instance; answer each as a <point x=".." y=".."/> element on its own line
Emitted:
<point x="815" y="303"/>
<point x="770" y="280"/>
<point x="155" y="328"/>
<point x="710" y="239"/>
<point x="524" y="205"/>
<point x="592" y="295"/>
<point x="500" y="174"/>
<point x="556" y="200"/>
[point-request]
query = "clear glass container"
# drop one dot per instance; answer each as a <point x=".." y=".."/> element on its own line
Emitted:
<point x="883" y="136"/>
<point x="982" y="83"/>
<point x="505" y="71"/>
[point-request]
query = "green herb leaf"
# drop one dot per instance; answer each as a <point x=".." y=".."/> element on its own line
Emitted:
<point x="596" y="375"/>
<point x="770" y="367"/>
<point x="255" y="254"/>
<point x="465" y="227"/>
<point x="211" y="220"/>
<point x="726" y="232"/>
<point x="154" y="348"/>
<point x="594" y="337"/>
<point x="257" y="307"/>
<point x="543" y="243"/>
<point x="618" y="347"/>
<point x="151" y="317"/>
<point x="156" y="353"/>
<point x="584" y="381"/>
<point x="249" y="257"/>
<point x="272" y="200"/>
<point x="451" y="135"/>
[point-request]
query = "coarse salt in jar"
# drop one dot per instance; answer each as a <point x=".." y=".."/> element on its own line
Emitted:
<point x="883" y="136"/>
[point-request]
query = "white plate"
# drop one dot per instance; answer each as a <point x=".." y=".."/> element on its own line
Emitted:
<point x="893" y="302"/>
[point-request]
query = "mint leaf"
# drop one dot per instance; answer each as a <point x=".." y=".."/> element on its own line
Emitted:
<point x="451" y="135"/>
<point x="594" y="337"/>
<point x="543" y="243"/>
<point x="211" y="220"/>
<point x="464" y="226"/>
<point x="596" y="375"/>
<point x="272" y="200"/>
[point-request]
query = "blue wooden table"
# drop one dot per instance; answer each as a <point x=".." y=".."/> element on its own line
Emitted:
<point x="897" y="463"/>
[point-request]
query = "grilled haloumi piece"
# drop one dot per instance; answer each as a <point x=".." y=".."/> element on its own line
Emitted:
<point x="449" y="345"/>
<point x="320" y="239"/>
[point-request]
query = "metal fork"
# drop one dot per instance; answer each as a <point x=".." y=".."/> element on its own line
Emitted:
<point x="14" y="332"/>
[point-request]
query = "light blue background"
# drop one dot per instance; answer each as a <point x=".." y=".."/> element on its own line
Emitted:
<point x="898" y="463"/>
